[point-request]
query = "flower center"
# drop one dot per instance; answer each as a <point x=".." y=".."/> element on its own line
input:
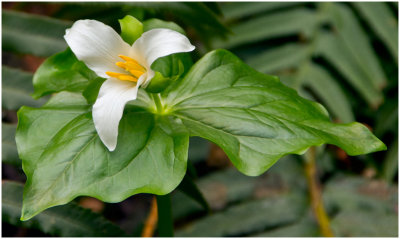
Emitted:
<point x="130" y="65"/>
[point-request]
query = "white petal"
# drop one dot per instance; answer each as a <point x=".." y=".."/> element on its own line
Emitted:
<point x="157" y="43"/>
<point x="109" y="106"/>
<point x="97" y="45"/>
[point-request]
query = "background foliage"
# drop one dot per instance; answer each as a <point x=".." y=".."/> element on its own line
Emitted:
<point x="344" y="55"/>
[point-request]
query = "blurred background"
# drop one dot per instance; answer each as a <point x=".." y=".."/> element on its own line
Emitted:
<point x="343" y="55"/>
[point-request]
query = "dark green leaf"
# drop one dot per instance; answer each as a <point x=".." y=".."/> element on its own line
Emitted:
<point x="189" y="187"/>
<point x="66" y="221"/>
<point x="63" y="157"/>
<point x="61" y="72"/>
<point x="357" y="45"/>
<point x="32" y="34"/>
<point x="280" y="58"/>
<point x="17" y="89"/>
<point x="9" y="151"/>
<point x="363" y="207"/>
<point x="391" y="162"/>
<point x="234" y="10"/>
<point x="337" y="53"/>
<point x="383" y="22"/>
<point x="244" y="218"/>
<point x="253" y="117"/>
<point x="297" y="21"/>
<point x="320" y="80"/>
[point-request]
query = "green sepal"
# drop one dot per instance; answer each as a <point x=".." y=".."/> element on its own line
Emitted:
<point x="159" y="83"/>
<point x="131" y="29"/>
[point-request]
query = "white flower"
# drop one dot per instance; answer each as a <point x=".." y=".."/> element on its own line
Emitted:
<point x="125" y="67"/>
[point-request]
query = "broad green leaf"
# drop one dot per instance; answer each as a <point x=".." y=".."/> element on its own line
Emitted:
<point x="17" y="89"/>
<point x="297" y="21"/>
<point x="234" y="10"/>
<point x="253" y="117"/>
<point x="337" y="53"/>
<point x="285" y="57"/>
<point x="383" y="22"/>
<point x="67" y="221"/>
<point x="357" y="44"/>
<point x="336" y="101"/>
<point x="61" y="72"/>
<point x="63" y="157"/>
<point x="9" y="153"/>
<point x="32" y="34"/>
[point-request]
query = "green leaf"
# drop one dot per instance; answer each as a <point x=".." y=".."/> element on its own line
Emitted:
<point x="62" y="72"/>
<point x="382" y="21"/>
<point x="357" y="45"/>
<point x="319" y="80"/>
<point x="188" y="187"/>
<point x="233" y="10"/>
<point x="361" y="207"/>
<point x="337" y="53"/>
<point x="287" y="56"/>
<point x="9" y="153"/>
<point x="32" y="34"/>
<point x="63" y="156"/>
<point x="391" y="162"/>
<point x="67" y="221"/>
<point x="17" y="89"/>
<point x="297" y="21"/>
<point x="131" y="29"/>
<point x="248" y="217"/>
<point x="253" y="117"/>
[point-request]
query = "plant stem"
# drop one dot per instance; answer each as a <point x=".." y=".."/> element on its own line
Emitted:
<point x="315" y="194"/>
<point x="157" y="101"/>
<point x="151" y="221"/>
<point x="165" y="221"/>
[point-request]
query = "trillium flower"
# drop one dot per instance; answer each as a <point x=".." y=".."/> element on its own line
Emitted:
<point x="125" y="67"/>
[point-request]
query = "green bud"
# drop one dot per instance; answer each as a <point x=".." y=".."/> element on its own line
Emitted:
<point x="131" y="29"/>
<point x="158" y="83"/>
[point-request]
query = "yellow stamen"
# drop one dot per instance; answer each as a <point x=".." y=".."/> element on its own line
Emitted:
<point x="130" y="65"/>
<point x="121" y="76"/>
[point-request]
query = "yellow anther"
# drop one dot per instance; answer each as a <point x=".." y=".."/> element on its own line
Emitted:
<point x="135" y="66"/>
<point x="130" y="65"/>
<point x="135" y="73"/>
<point x="128" y="78"/>
<point x="121" y="76"/>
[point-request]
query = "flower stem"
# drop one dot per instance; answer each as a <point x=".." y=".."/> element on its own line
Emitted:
<point x="157" y="100"/>
<point x="151" y="221"/>
<point x="315" y="194"/>
<point x="165" y="221"/>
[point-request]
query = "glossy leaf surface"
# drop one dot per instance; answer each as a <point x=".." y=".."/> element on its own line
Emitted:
<point x="253" y="117"/>
<point x="63" y="157"/>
